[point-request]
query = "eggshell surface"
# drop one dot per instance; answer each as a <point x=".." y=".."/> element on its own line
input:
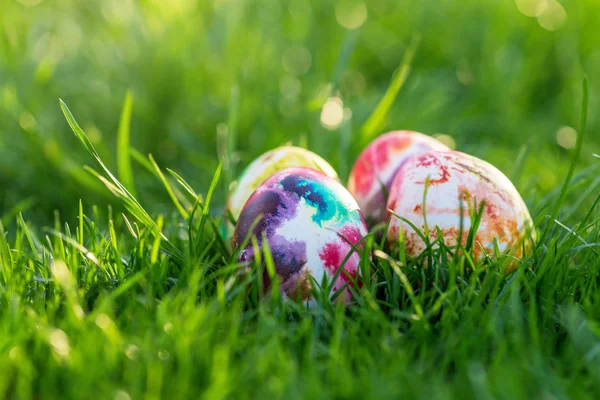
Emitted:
<point x="269" y="163"/>
<point x="309" y="221"/>
<point x="454" y="176"/>
<point x="378" y="164"/>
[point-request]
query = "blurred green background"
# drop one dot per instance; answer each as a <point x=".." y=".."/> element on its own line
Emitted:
<point x="212" y="78"/>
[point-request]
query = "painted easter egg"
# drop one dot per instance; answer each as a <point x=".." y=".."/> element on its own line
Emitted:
<point x="309" y="221"/>
<point x="458" y="180"/>
<point x="372" y="175"/>
<point x="269" y="163"/>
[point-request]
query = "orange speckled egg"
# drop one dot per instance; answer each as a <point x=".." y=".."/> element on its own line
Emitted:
<point x="455" y="177"/>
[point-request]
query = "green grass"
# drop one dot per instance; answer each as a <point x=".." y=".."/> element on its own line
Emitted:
<point x="116" y="282"/>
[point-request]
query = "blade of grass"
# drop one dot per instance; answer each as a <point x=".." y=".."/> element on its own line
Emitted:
<point x="6" y="262"/>
<point x="576" y="154"/>
<point x="375" y="120"/>
<point x="345" y="54"/>
<point x="80" y="235"/>
<point x="117" y="187"/>
<point x="209" y="194"/>
<point x="28" y="235"/>
<point x="123" y="146"/>
<point x="397" y="268"/>
<point x="165" y="183"/>
<point x="142" y="160"/>
<point x="82" y="249"/>
<point x="156" y="245"/>
<point x="183" y="183"/>
<point x="129" y="227"/>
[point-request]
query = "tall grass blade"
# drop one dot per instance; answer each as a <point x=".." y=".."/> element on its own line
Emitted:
<point x="576" y="155"/>
<point x="117" y="187"/>
<point x="123" y="147"/>
<point x="375" y="121"/>
<point x="165" y="183"/>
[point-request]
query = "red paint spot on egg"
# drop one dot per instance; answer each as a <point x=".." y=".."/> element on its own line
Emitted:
<point x="375" y="159"/>
<point x="351" y="233"/>
<point x="330" y="254"/>
<point x="491" y="210"/>
<point x="427" y="160"/>
<point x="334" y="254"/>
<point x="444" y="176"/>
<point x="363" y="177"/>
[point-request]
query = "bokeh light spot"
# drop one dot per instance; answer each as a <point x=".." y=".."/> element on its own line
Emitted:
<point x="351" y="14"/>
<point x="94" y="134"/>
<point x="122" y="395"/>
<point x="332" y="114"/>
<point x="566" y="137"/>
<point x="464" y="73"/>
<point x="132" y="352"/>
<point x="446" y="139"/>
<point x="14" y="353"/>
<point x="103" y="321"/>
<point x="297" y="61"/>
<point x="59" y="341"/>
<point x="532" y="8"/>
<point x="27" y="121"/>
<point x="118" y="11"/>
<point x="290" y="87"/>
<point x="553" y="17"/>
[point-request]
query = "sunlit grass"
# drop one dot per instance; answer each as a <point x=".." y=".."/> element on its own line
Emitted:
<point x="130" y="289"/>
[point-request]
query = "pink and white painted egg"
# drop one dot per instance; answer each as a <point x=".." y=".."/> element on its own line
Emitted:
<point x="374" y="171"/>
<point x="454" y="178"/>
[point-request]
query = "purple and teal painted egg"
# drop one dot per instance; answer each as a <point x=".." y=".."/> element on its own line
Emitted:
<point x="309" y="221"/>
